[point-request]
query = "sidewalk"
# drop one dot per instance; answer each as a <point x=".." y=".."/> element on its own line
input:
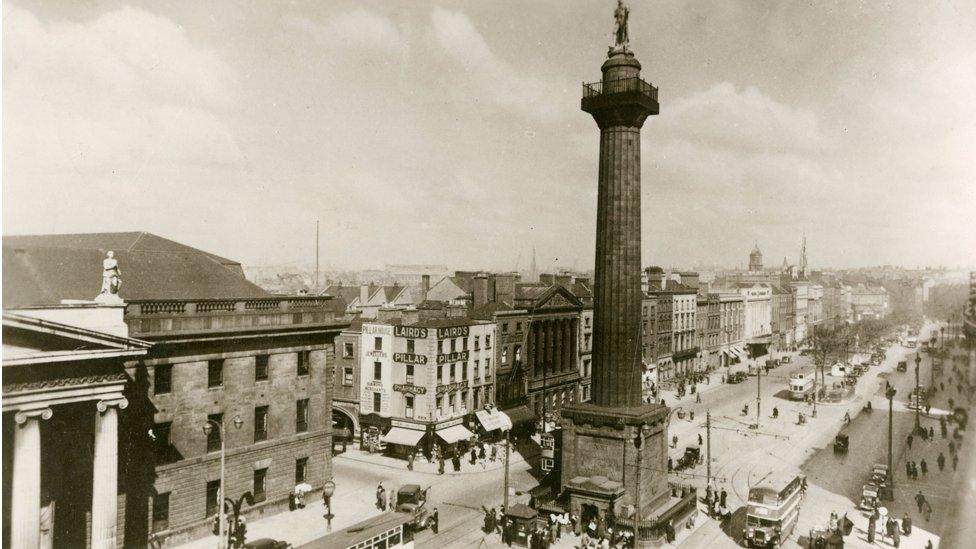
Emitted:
<point x="421" y="465"/>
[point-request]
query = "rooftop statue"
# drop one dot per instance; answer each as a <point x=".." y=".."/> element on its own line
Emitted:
<point x="111" y="280"/>
<point x="621" y="35"/>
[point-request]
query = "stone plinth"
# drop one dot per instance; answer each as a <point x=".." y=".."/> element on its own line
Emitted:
<point x="600" y="460"/>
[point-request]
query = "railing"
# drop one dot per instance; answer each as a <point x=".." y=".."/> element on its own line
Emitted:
<point x="622" y="85"/>
<point x="207" y="315"/>
<point x="208" y="306"/>
<point x="163" y="307"/>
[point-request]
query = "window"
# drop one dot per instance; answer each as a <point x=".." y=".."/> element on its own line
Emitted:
<point x="304" y="360"/>
<point x="504" y="327"/>
<point x="477" y="398"/>
<point x="213" y="488"/>
<point x="163" y="379"/>
<point x="586" y="321"/>
<point x="518" y="354"/>
<point x="453" y="373"/>
<point x="377" y="401"/>
<point x="440" y="347"/>
<point x="348" y="351"/>
<point x="377" y="343"/>
<point x="301" y="416"/>
<point x="163" y="444"/>
<point x="504" y="355"/>
<point x="260" y="423"/>
<point x="260" y="476"/>
<point x="440" y="373"/>
<point x="347" y="375"/>
<point x="477" y="343"/>
<point x="586" y="368"/>
<point x="464" y="344"/>
<point x="410" y="346"/>
<point x="213" y="437"/>
<point x="215" y="373"/>
<point x="487" y="341"/>
<point x="408" y="405"/>
<point x="464" y="399"/>
<point x="487" y="369"/>
<point x="586" y="341"/>
<point x="477" y="368"/>
<point x="301" y="470"/>
<point x="261" y="368"/>
<point x="453" y="403"/>
<point x="464" y="371"/>
<point x="160" y="512"/>
<point x="409" y="373"/>
<point x="518" y="326"/>
<point x="586" y="393"/>
<point x="377" y="370"/>
<point x="453" y="345"/>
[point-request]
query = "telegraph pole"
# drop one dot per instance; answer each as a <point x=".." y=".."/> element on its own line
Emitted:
<point x="708" y="448"/>
<point x="315" y="285"/>
<point x="508" y="453"/>
<point x="758" y="393"/>
<point x="890" y="393"/>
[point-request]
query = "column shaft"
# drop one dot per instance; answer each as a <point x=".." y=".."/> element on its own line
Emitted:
<point x="25" y="492"/>
<point x="105" y="476"/>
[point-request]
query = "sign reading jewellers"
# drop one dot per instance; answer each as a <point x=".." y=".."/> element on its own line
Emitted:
<point x="408" y="388"/>
<point x="451" y="387"/>
<point x="459" y="356"/>
<point x="454" y="331"/>
<point x="409" y="358"/>
<point x="411" y="332"/>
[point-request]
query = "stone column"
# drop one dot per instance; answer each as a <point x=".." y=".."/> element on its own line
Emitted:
<point x="25" y="492"/>
<point x="106" y="474"/>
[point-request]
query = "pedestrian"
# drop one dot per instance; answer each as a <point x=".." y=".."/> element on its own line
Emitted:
<point x="908" y="469"/>
<point x="722" y="496"/>
<point x="410" y="459"/>
<point x="952" y="447"/>
<point x="700" y="439"/>
<point x="494" y="453"/>
<point x="896" y="535"/>
<point x="674" y="441"/>
<point x="440" y="465"/>
<point x="931" y="433"/>
<point x="941" y="461"/>
<point x="924" y="466"/>
<point x="927" y="509"/>
<point x="914" y="471"/>
<point x="906" y="525"/>
<point x="919" y="500"/>
<point x="955" y="461"/>
<point x="433" y="520"/>
<point x="872" y="524"/>
<point x="890" y="527"/>
<point x="929" y="545"/>
<point x="910" y="439"/>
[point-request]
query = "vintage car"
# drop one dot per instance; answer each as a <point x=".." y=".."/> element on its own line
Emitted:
<point x="691" y="457"/>
<point x="902" y="366"/>
<point x="841" y="443"/>
<point x="787" y="359"/>
<point x="737" y="377"/>
<point x="879" y="474"/>
<point x="869" y="498"/>
<point x="267" y="543"/>
<point x="411" y="499"/>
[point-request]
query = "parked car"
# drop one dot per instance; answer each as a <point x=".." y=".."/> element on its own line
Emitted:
<point x="737" y="377"/>
<point x="787" y="359"/>
<point x="841" y="443"/>
<point x="869" y="497"/>
<point x="267" y="543"/>
<point x="902" y="366"/>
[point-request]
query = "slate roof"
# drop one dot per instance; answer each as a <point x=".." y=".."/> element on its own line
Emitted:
<point x="45" y="269"/>
<point x="347" y="293"/>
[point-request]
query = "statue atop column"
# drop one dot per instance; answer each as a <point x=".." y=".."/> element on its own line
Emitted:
<point x="621" y="35"/>
<point x="111" y="280"/>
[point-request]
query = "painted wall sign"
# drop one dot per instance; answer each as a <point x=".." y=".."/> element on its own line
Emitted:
<point x="454" y="331"/>
<point x="412" y="332"/>
<point x="458" y="356"/>
<point x="409" y="358"/>
<point x="451" y="387"/>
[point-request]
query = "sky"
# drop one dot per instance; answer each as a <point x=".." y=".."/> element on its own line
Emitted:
<point x="450" y="132"/>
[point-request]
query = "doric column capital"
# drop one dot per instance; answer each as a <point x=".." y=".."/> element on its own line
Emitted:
<point x="22" y="416"/>
<point x="103" y="405"/>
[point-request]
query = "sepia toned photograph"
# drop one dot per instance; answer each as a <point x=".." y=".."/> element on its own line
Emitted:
<point x="366" y="274"/>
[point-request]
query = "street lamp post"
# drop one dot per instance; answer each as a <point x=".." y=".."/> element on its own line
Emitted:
<point x="890" y="394"/>
<point x="642" y="431"/>
<point x="918" y="396"/>
<point x="328" y="489"/>
<point x="208" y="428"/>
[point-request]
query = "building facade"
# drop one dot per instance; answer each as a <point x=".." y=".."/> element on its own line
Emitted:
<point x="783" y="315"/>
<point x="731" y="327"/>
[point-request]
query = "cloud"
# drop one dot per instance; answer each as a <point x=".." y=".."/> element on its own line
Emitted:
<point x="120" y="91"/>
<point x="483" y="74"/>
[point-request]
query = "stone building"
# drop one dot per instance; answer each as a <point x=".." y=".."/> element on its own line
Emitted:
<point x="421" y="382"/>
<point x="731" y="327"/>
<point x="783" y="317"/>
<point x="225" y="354"/>
<point x="682" y="291"/>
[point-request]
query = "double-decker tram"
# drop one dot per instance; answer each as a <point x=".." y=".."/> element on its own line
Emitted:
<point x="773" y="508"/>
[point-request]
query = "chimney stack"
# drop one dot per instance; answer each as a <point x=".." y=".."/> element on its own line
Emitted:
<point x="363" y="294"/>
<point x="424" y="287"/>
<point x="480" y="289"/>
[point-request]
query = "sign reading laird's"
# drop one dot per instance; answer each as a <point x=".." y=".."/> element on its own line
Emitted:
<point x="408" y="388"/>
<point x="458" y="356"/>
<point x="409" y="358"/>
<point x="453" y="331"/>
<point x="411" y="332"/>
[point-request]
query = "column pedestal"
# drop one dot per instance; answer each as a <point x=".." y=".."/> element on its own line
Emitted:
<point x="25" y="492"/>
<point x="106" y="474"/>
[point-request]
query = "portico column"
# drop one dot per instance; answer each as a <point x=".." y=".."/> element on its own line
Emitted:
<point x="25" y="493"/>
<point x="106" y="474"/>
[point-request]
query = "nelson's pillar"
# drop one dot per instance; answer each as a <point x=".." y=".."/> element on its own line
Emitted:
<point x="614" y="448"/>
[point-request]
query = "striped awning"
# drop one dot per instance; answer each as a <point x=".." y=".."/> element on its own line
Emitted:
<point x="403" y="437"/>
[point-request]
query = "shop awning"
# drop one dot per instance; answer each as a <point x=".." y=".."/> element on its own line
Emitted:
<point x="454" y="433"/>
<point x="403" y="437"/>
<point x="494" y="420"/>
<point x="739" y="352"/>
<point x="520" y="414"/>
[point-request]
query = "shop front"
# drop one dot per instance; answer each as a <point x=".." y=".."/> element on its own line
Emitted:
<point x="404" y="438"/>
<point x="452" y="436"/>
<point x="492" y="424"/>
